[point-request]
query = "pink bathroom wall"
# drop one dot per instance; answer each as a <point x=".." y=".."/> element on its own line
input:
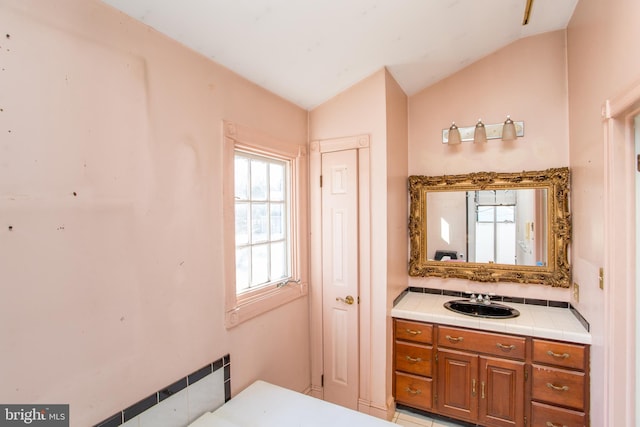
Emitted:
<point x="361" y="109"/>
<point x="110" y="213"/>
<point x="527" y="80"/>
<point x="603" y="64"/>
<point x="397" y="209"/>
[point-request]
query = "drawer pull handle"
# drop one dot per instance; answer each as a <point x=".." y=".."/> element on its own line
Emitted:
<point x="557" y="388"/>
<point x="412" y="391"/>
<point x="455" y="339"/>
<point x="482" y="389"/>
<point x="558" y="355"/>
<point x="550" y="424"/>
<point x="473" y="388"/>
<point x="412" y="332"/>
<point x="505" y="347"/>
<point x="412" y="360"/>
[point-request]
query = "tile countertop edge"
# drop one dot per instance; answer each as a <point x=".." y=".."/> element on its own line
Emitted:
<point x="438" y="314"/>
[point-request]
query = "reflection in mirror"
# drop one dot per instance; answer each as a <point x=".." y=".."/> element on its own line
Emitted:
<point x="503" y="226"/>
<point x="491" y="227"/>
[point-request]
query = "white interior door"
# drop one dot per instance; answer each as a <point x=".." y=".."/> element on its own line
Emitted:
<point x="340" y="276"/>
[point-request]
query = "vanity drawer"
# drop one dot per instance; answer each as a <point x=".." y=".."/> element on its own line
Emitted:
<point x="482" y="342"/>
<point x="413" y="358"/>
<point x="549" y="416"/>
<point x="560" y="354"/>
<point x="558" y="386"/>
<point x="414" y="331"/>
<point x="414" y="391"/>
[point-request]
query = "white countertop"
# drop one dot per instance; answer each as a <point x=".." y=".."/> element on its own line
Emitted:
<point x="535" y="321"/>
<point x="267" y="405"/>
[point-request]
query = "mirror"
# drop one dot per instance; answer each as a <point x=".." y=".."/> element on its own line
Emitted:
<point x="503" y="226"/>
<point x="490" y="227"/>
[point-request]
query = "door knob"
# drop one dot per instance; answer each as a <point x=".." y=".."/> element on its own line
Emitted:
<point x="348" y="300"/>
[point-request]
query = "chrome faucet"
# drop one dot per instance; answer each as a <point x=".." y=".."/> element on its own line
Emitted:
<point x="486" y="300"/>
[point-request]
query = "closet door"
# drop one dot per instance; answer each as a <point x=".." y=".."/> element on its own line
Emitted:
<point x="340" y="276"/>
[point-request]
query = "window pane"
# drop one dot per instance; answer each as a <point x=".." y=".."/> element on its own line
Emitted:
<point x="486" y="197"/>
<point x="506" y="243"/>
<point x="277" y="221"/>
<point x="258" y="180"/>
<point x="484" y="242"/>
<point x="485" y="213"/>
<point x="259" y="223"/>
<point x="242" y="224"/>
<point x="278" y="261"/>
<point x="259" y="264"/>
<point x="242" y="269"/>
<point x="505" y="213"/>
<point x="241" y="177"/>
<point x="276" y="182"/>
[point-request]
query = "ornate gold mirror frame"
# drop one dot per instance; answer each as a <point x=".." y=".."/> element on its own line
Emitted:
<point x="556" y="272"/>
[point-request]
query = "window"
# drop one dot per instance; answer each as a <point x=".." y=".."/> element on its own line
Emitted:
<point x="261" y="220"/>
<point x="264" y="260"/>
<point x="495" y="226"/>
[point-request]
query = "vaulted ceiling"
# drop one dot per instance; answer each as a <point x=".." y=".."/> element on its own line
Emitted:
<point x="308" y="51"/>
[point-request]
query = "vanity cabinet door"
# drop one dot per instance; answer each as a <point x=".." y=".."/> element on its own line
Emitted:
<point x="486" y="390"/>
<point x="458" y="384"/>
<point x="501" y="392"/>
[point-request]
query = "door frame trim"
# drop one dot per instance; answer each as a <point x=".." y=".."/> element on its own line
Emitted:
<point x="317" y="148"/>
<point x="619" y="258"/>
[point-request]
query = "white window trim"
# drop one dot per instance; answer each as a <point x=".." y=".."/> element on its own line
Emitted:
<point x="239" y="308"/>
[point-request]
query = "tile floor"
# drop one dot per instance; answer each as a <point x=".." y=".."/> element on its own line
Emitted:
<point x="411" y="419"/>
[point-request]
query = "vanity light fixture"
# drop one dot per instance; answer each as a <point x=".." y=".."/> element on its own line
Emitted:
<point x="454" y="135"/>
<point x="480" y="133"/>
<point x="508" y="130"/>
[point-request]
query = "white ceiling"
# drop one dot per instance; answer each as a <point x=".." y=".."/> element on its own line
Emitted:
<point x="308" y="51"/>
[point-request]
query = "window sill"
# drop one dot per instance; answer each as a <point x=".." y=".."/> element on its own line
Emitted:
<point x="263" y="302"/>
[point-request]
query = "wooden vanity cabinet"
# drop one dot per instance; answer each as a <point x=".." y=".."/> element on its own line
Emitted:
<point x="413" y="362"/>
<point x="560" y="384"/>
<point x="481" y="377"/>
<point x="490" y="379"/>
